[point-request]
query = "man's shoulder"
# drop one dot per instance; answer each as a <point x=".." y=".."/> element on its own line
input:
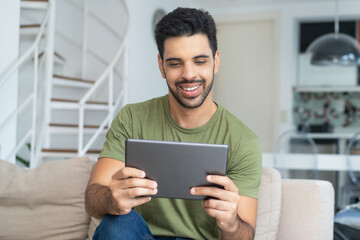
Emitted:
<point x="148" y="104"/>
<point x="236" y="125"/>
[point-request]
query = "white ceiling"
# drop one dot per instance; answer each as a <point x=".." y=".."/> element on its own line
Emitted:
<point x="248" y="3"/>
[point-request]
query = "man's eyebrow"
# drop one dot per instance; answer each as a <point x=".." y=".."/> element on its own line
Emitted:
<point x="201" y="56"/>
<point x="179" y="59"/>
<point x="172" y="59"/>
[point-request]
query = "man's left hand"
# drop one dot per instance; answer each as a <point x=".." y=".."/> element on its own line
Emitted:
<point x="224" y="204"/>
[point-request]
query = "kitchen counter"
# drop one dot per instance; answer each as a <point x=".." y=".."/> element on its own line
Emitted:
<point x="335" y="135"/>
<point x="342" y="136"/>
<point x="326" y="162"/>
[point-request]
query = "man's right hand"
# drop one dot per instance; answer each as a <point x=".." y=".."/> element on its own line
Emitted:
<point x="116" y="189"/>
<point x="128" y="186"/>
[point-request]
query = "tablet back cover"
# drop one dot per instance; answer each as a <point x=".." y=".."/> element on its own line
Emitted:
<point x="176" y="166"/>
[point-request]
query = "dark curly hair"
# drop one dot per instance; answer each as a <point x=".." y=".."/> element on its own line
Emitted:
<point x="185" y="22"/>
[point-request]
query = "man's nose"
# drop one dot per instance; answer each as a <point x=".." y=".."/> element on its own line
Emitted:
<point x="189" y="71"/>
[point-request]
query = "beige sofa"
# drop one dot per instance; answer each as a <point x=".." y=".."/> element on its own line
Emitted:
<point x="48" y="203"/>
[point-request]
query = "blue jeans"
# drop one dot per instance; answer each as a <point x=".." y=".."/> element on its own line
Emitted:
<point x="129" y="227"/>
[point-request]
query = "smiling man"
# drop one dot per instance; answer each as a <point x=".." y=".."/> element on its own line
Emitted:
<point x="188" y="59"/>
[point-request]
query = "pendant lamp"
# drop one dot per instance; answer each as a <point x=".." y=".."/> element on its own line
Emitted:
<point x="334" y="48"/>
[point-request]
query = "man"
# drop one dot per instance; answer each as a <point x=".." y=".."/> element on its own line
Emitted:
<point x="188" y="60"/>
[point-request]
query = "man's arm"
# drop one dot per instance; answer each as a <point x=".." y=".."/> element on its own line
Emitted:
<point x="247" y="210"/>
<point x="235" y="215"/>
<point x="115" y="189"/>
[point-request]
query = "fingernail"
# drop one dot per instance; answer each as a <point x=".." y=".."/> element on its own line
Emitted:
<point x="155" y="191"/>
<point x="154" y="184"/>
<point x="192" y="190"/>
<point x="208" y="178"/>
<point x="143" y="174"/>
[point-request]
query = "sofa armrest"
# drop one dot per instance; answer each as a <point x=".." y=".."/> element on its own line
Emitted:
<point x="307" y="210"/>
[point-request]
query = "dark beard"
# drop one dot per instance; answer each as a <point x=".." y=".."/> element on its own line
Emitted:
<point x="204" y="94"/>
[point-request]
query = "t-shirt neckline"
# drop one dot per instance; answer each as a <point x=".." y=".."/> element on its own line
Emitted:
<point x="210" y="123"/>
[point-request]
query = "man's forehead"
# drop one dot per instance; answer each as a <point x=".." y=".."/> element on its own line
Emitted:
<point x="187" y="46"/>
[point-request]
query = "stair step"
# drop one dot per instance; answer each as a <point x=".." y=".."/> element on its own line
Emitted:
<point x="58" y="58"/>
<point x="71" y="82"/>
<point x="73" y="79"/>
<point x="55" y="54"/>
<point x="61" y="150"/>
<point x="34" y="4"/>
<point x="30" y="26"/>
<point x="57" y="103"/>
<point x="72" y="129"/>
<point x="74" y="125"/>
<point x="76" y="101"/>
<point x="66" y="153"/>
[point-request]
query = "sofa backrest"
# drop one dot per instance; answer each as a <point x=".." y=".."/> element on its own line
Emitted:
<point x="269" y="205"/>
<point x="307" y="210"/>
<point x="46" y="202"/>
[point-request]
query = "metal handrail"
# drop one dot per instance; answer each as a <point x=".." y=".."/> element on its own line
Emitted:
<point x="353" y="178"/>
<point x="107" y="73"/>
<point x="305" y="136"/>
<point x="22" y="59"/>
<point x="33" y="50"/>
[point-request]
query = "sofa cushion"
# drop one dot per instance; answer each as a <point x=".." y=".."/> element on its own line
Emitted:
<point x="269" y="205"/>
<point x="94" y="223"/>
<point x="46" y="202"/>
<point x="308" y="205"/>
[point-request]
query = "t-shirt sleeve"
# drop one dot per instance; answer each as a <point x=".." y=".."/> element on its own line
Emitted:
<point x="245" y="169"/>
<point x="120" y="130"/>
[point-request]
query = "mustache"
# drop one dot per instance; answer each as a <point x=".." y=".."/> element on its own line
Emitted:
<point x="189" y="81"/>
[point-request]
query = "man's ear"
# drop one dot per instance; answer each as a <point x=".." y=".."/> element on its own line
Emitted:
<point x="216" y="61"/>
<point x="161" y="66"/>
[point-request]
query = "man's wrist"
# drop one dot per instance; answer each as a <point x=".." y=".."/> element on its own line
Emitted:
<point x="235" y="226"/>
<point x="243" y="230"/>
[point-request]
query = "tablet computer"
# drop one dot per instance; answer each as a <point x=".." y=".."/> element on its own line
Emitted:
<point x="176" y="166"/>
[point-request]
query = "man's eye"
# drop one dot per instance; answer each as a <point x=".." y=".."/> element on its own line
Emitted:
<point x="174" y="64"/>
<point x="200" y="61"/>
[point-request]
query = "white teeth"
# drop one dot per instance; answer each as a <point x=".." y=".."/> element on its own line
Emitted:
<point x="190" y="89"/>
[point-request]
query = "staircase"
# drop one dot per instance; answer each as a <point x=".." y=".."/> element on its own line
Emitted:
<point x="71" y="107"/>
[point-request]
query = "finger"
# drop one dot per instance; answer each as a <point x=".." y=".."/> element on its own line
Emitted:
<point x="216" y="204"/>
<point x="218" y="214"/>
<point x="137" y="182"/>
<point x="213" y="192"/>
<point x="127" y="172"/>
<point x="223" y="181"/>
<point x="127" y="205"/>
<point x="139" y="192"/>
<point x="139" y="201"/>
<point x="223" y="219"/>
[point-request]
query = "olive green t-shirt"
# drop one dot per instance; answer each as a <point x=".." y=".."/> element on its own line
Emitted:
<point x="152" y="120"/>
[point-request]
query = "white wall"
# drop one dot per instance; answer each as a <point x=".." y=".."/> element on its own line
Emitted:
<point x="9" y="47"/>
<point x="290" y="15"/>
<point x="144" y="78"/>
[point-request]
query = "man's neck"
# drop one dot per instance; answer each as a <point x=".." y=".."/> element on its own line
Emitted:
<point x="192" y="117"/>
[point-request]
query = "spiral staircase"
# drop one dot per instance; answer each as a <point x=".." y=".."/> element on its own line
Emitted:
<point x="67" y="105"/>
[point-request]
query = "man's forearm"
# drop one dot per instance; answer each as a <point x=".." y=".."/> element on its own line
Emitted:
<point x="244" y="231"/>
<point x="98" y="200"/>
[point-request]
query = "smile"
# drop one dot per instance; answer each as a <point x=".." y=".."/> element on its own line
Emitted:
<point x="190" y="89"/>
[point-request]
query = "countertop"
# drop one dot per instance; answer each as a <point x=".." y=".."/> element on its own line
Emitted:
<point x="326" y="162"/>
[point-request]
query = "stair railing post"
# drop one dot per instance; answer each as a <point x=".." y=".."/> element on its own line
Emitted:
<point x="125" y="74"/>
<point x="50" y="36"/>
<point x="111" y="94"/>
<point x="81" y="129"/>
<point x="84" y="40"/>
<point x="33" y="157"/>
